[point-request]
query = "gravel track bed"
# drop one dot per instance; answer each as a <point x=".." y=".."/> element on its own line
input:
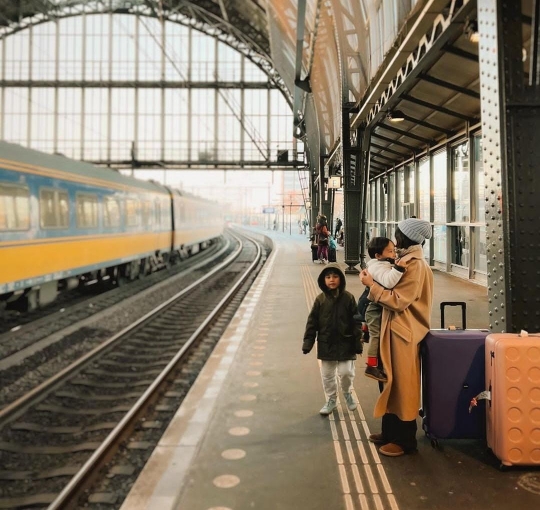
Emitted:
<point x="39" y="324"/>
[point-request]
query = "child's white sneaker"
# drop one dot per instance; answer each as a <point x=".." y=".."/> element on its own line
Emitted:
<point x="351" y="404"/>
<point x="327" y="408"/>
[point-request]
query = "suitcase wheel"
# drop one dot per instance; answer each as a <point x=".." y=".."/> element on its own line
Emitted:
<point x="434" y="443"/>
<point x="503" y="467"/>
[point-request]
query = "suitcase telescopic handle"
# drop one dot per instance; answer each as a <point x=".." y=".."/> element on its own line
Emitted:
<point x="463" y="306"/>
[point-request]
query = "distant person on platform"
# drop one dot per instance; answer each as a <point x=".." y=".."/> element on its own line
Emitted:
<point x="322" y="239"/>
<point x="331" y="322"/>
<point x="339" y="224"/>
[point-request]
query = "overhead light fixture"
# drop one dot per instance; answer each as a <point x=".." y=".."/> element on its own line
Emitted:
<point x="395" y="116"/>
<point x="471" y="31"/>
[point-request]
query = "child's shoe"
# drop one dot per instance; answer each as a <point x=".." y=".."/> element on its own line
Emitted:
<point x="376" y="373"/>
<point x="351" y="404"/>
<point x="328" y="407"/>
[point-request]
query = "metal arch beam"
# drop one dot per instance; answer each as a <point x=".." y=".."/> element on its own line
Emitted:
<point x="236" y="40"/>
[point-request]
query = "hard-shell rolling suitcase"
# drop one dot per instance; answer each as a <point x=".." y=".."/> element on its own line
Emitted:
<point x="513" y="397"/>
<point x="332" y="255"/>
<point x="314" y="249"/>
<point x="452" y="374"/>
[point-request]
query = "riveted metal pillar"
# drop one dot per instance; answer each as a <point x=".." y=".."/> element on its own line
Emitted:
<point x="325" y="205"/>
<point x="352" y="192"/>
<point x="511" y="151"/>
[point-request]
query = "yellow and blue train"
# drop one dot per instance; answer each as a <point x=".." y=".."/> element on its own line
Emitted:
<point x="63" y="222"/>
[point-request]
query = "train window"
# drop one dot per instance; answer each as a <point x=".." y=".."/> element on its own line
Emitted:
<point x="158" y="213"/>
<point x="147" y="213"/>
<point x="53" y="208"/>
<point x="111" y="212"/>
<point x="87" y="210"/>
<point x="132" y="212"/>
<point x="14" y="207"/>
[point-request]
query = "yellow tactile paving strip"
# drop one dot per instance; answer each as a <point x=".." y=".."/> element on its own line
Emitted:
<point x="363" y="479"/>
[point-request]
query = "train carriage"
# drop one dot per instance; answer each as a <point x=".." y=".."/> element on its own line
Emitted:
<point x="63" y="222"/>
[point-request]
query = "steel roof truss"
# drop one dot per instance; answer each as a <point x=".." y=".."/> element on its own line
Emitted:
<point x="450" y="86"/>
<point x="397" y="142"/>
<point x="402" y="132"/>
<point x="429" y="125"/>
<point x="386" y="149"/>
<point x="461" y="53"/>
<point x="441" y="109"/>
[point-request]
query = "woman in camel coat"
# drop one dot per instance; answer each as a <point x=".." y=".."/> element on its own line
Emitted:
<point x="405" y="321"/>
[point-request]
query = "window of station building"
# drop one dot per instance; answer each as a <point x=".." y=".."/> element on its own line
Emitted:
<point x="14" y="207"/>
<point x="87" y="210"/>
<point x="401" y="193"/>
<point x="111" y="212"/>
<point x="391" y="191"/>
<point x="480" y="190"/>
<point x="439" y="206"/>
<point x="479" y="233"/>
<point x="373" y="201"/>
<point x="53" y="208"/>
<point x="132" y="212"/>
<point x="461" y="197"/>
<point x="425" y="191"/>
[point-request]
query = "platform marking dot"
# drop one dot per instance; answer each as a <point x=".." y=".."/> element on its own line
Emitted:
<point x="253" y="373"/>
<point x="247" y="398"/>
<point x="233" y="454"/>
<point x="243" y="413"/>
<point x="239" y="431"/>
<point x="256" y="363"/>
<point x="250" y="384"/>
<point x="226" y="481"/>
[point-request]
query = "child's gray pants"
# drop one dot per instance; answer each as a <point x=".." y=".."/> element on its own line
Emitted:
<point x="345" y="372"/>
<point x="373" y="320"/>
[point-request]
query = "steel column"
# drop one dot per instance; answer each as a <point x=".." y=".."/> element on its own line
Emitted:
<point x="352" y="192"/>
<point x="511" y="150"/>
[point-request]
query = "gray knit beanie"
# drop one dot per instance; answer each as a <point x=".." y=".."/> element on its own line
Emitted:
<point x="415" y="229"/>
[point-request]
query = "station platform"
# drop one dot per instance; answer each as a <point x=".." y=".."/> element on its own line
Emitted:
<point x="249" y="434"/>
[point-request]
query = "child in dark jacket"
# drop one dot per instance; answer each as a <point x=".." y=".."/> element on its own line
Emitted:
<point x="331" y="322"/>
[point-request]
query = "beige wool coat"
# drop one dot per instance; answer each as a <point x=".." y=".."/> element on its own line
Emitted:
<point x="405" y="321"/>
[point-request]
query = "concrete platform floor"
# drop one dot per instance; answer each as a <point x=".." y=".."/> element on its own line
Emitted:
<point x="249" y="435"/>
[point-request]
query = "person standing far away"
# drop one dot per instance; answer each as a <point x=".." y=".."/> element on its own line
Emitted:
<point x="405" y="320"/>
<point x="339" y="223"/>
<point x="331" y="322"/>
<point x="322" y="239"/>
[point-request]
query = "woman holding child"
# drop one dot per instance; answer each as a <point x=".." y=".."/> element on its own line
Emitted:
<point x="406" y="318"/>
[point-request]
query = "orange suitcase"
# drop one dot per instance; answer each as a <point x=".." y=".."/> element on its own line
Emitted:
<point x="513" y="410"/>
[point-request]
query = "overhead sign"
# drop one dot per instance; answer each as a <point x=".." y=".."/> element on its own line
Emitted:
<point x="334" y="182"/>
<point x="269" y="210"/>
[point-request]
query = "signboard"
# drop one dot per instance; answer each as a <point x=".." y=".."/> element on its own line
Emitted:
<point x="334" y="182"/>
<point x="269" y="210"/>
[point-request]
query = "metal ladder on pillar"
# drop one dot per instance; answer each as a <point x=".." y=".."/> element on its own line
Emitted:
<point x="304" y="187"/>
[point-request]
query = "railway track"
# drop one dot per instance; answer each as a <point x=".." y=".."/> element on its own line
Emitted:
<point x="56" y="441"/>
<point x="46" y="346"/>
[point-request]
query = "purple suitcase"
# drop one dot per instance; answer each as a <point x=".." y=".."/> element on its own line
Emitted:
<point x="453" y="373"/>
